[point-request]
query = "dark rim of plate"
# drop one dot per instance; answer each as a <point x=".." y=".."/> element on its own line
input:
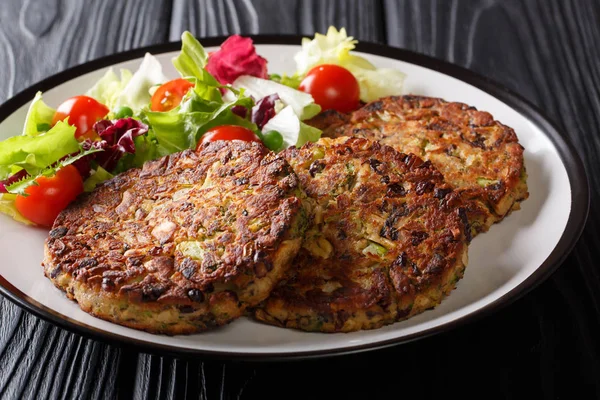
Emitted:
<point x="575" y="169"/>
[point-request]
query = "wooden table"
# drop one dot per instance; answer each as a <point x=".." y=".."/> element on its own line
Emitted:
<point x="546" y="345"/>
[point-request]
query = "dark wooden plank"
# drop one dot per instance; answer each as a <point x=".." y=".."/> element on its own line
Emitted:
<point x="362" y="18"/>
<point x="37" y="39"/>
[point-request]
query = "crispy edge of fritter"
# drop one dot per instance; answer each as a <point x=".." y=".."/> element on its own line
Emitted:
<point x="169" y="319"/>
<point x="281" y="313"/>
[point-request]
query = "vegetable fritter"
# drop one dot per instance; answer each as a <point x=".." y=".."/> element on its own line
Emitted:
<point x="480" y="157"/>
<point x="184" y="244"/>
<point x="387" y="239"/>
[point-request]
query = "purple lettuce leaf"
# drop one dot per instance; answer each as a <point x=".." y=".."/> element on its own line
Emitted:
<point x="117" y="139"/>
<point x="264" y="110"/>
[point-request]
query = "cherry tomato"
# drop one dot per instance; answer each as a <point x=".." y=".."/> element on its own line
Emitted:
<point x="83" y="112"/>
<point x="332" y="87"/>
<point x="169" y="95"/>
<point x="52" y="194"/>
<point x="228" y="132"/>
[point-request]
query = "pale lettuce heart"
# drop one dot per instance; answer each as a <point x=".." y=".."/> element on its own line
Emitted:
<point x="335" y="48"/>
<point x="294" y="132"/>
<point x="110" y="87"/>
<point x="136" y="94"/>
<point x="301" y="103"/>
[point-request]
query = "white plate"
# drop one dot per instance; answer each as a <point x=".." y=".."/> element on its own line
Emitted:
<point x="503" y="263"/>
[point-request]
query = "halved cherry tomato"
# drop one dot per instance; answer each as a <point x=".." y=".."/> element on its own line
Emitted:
<point x="228" y="132"/>
<point x="169" y="95"/>
<point x="332" y="87"/>
<point x="83" y="112"/>
<point x="50" y="196"/>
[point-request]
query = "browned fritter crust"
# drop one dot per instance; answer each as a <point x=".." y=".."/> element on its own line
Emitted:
<point x="387" y="241"/>
<point x="185" y="244"/>
<point x="477" y="155"/>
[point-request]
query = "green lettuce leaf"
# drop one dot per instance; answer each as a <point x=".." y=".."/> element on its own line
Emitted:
<point x="39" y="117"/>
<point x="7" y="206"/>
<point x="192" y="59"/>
<point x="201" y="108"/>
<point x="20" y="186"/>
<point x="181" y="127"/>
<point x="190" y="64"/>
<point x="108" y="89"/>
<point x="97" y="176"/>
<point x="291" y="81"/>
<point x="34" y="153"/>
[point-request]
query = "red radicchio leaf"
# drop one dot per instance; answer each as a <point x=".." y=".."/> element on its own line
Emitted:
<point x="264" y="110"/>
<point x="12" y="179"/>
<point x="117" y="139"/>
<point x="237" y="56"/>
<point x="240" y="111"/>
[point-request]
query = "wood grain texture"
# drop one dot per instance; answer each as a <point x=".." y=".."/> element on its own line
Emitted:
<point x="38" y="39"/>
<point x="542" y="346"/>
<point x="362" y="18"/>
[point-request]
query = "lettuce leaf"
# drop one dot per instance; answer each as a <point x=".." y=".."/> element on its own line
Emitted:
<point x="20" y="186"/>
<point x="39" y="117"/>
<point x="98" y="176"/>
<point x="136" y="93"/>
<point x="110" y="87"/>
<point x="335" y="48"/>
<point x="7" y="206"/>
<point x="201" y="108"/>
<point x="290" y="81"/>
<point x="302" y="103"/>
<point x="34" y="153"/>
<point x="192" y="59"/>
<point x="180" y="128"/>
<point x="294" y="132"/>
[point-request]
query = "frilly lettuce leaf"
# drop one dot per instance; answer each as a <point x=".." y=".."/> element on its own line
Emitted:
<point x="325" y="49"/>
<point x="110" y="87"/>
<point x="20" y="186"/>
<point x="34" y="153"/>
<point x="136" y="94"/>
<point x="39" y="117"/>
<point x="335" y="48"/>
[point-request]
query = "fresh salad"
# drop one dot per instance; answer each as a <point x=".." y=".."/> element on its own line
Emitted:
<point x="129" y="118"/>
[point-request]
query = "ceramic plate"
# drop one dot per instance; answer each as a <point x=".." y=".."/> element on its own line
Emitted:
<point x="504" y="263"/>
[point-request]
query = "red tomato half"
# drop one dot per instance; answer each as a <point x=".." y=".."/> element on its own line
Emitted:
<point x="83" y="112"/>
<point x="47" y="199"/>
<point x="228" y="132"/>
<point x="332" y="87"/>
<point x="169" y="95"/>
